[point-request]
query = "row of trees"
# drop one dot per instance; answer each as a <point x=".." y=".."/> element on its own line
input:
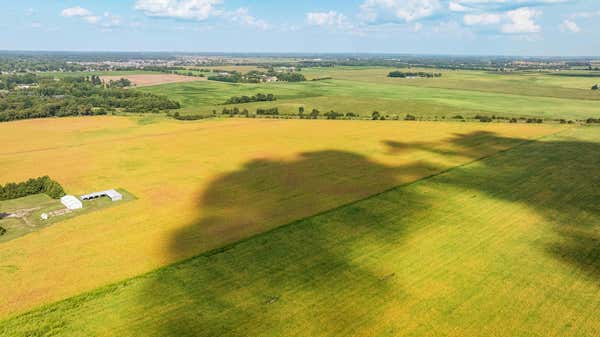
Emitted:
<point x="256" y="76"/>
<point x="269" y="111"/>
<point x="77" y="96"/>
<point x="248" y="99"/>
<point x="31" y="187"/>
<point x="403" y="74"/>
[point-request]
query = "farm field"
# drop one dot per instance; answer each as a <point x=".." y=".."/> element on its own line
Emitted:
<point x="363" y="90"/>
<point x="203" y="185"/>
<point x="144" y="80"/>
<point x="506" y="245"/>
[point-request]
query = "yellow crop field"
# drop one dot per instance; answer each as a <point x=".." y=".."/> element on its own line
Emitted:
<point x="194" y="181"/>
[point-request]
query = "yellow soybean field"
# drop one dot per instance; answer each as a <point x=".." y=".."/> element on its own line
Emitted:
<point x="202" y="185"/>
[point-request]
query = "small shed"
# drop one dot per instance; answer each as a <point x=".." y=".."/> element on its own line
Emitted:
<point x="71" y="202"/>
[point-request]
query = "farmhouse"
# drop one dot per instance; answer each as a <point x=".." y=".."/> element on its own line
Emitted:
<point x="112" y="194"/>
<point x="71" y="202"/>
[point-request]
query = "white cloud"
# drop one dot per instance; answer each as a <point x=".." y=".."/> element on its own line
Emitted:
<point x="393" y="10"/>
<point x="93" y="19"/>
<point x="180" y="9"/>
<point x="75" y="12"/>
<point x="569" y="26"/>
<point x="482" y="19"/>
<point x="242" y="17"/>
<point x="198" y="10"/>
<point x="517" y="21"/>
<point x="330" y="18"/>
<point x="106" y="21"/>
<point x="585" y="15"/>
<point x="457" y="7"/>
<point x="417" y="27"/>
<point x="522" y="21"/>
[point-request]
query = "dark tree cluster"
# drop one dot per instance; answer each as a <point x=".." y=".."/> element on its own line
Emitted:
<point x="291" y="77"/>
<point x="9" y="82"/>
<point x="256" y="76"/>
<point x="233" y="77"/>
<point x="333" y="115"/>
<point x="235" y="111"/>
<point x="177" y="116"/>
<point x="268" y="112"/>
<point x="593" y="121"/>
<point x="595" y="87"/>
<point x="120" y="83"/>
<point x="31" y="187"/>
<point x="249" y="99"/>
<point x="402" y="74"/>
<point x="77" y="96"/>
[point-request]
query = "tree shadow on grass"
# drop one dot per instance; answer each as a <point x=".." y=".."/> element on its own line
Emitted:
<point x="301" y="274"/>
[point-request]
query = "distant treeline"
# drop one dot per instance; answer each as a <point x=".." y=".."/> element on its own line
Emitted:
<point x="31" y="187"/>
<point x="255" y="76"/>
<point x="249" y="99"/>
<point x="77" y="96"/>
<point x="403" y="74"/>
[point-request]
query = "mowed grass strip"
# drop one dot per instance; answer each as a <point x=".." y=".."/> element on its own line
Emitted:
<point x="202" y="185"/>
<point x="505" y="246"/>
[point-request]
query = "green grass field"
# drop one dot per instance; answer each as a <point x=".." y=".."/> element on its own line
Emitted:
<point x="363" y="90"/>
<point x="503" y="246"/>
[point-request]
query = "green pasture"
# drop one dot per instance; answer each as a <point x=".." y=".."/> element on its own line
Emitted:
<point x="503" y="246"/>
<point x="363" y="97"/>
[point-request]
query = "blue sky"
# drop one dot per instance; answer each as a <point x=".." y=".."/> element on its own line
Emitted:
<point x="490" y="27"/>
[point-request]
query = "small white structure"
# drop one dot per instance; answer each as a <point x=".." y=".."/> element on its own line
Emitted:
<point x="71" y="202"/>
<point x="45" y="216"/>
<point x="112" y="194"/>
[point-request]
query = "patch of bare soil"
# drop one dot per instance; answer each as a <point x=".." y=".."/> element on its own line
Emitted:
<point x="145" y="80"/>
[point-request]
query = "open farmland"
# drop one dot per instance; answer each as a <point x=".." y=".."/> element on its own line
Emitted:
<point x="502" y="246"/>
<point x="364" y="90"/>
<point x="202" y="185"/>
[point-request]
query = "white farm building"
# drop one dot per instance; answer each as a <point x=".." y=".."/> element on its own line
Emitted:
<point x="71" y="202"/>
<point x="112" y="194"/>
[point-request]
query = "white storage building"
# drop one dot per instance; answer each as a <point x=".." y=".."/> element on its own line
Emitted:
<point x="112" y="194"/>
<point x="71" y="202"/>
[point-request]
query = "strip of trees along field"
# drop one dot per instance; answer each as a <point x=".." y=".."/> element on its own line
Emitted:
<point x="403" y="74"/>
<point x="31" y="96"/>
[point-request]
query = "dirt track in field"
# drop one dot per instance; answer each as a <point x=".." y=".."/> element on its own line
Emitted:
<point x="146" y="80"/>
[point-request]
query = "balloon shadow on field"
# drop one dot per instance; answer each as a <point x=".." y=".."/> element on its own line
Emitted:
<point x="314" y="259"/>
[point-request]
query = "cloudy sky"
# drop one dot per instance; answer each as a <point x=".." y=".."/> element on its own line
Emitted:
<point x="498" y="27"/>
